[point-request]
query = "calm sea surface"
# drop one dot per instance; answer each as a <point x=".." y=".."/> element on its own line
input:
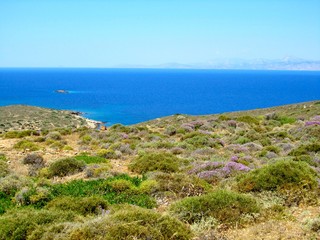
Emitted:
<point x="130" y="96"/>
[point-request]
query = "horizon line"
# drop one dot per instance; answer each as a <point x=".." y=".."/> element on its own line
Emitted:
<point x="169" y="68"/>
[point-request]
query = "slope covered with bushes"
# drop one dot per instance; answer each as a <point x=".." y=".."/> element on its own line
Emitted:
<point x="179" y="177"/>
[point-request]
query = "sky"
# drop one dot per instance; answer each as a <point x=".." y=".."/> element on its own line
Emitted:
<point x="111" y="33"/>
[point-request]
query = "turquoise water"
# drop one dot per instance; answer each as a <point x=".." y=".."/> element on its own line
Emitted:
<point x="130" y="96"/>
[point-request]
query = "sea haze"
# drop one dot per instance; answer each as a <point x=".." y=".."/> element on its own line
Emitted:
<point x="130" y="96"/>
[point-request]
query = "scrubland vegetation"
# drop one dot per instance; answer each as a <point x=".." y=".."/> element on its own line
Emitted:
<point x="243" y="175"/>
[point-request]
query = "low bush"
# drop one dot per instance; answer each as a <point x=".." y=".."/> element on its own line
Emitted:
<point x="26" y="145"/>
<point x="35" y="162"/>
<point x="4" y="169"/>
<point x="56" y="144"/>
<point x="305" y="149"/>
<point x="133" y="223"/>
<point x="121" y="185"/>
<point x="103" y="187"/>
<point x="33" y="159"/>
<point x="273" y="176"/>
<point x="67" y="166"/>
<point x="108" y="153"/>
<point x="165" y="162"/>
<point x="64" y="131"/>
<point x="20" y="134"/>
<point x="84" y="206"/>
<point x="36" y="196"/>
<point x="225" y="206"/>
<point x="285" y="120"/>
<point x="248" y="119"/>
<point x="86" y="139"/>
<point x="148" y="186"/>
<point x="2" y="157"/>
<point x="5" y="202"/>
<point x="98" y="170"/>
<point x="314" y="224"/>
<point x="91" y="159"/>
<point x="242" y="140"/>
<point x="55" y="135"/>
<point x="272" y="148"/>
<point x="305" y="158"/>
<point x="19" y="224"/>
<point x="179" y="184"/>
<point x="10" y="184"/>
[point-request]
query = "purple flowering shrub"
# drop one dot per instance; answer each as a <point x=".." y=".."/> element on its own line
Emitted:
<point x="194" y="125"/>
<point x="187" y="127"/>
<point x="211" y="171"/>
<point x="313" y="121"/>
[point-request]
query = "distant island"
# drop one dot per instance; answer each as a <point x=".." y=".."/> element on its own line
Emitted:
<point x="287" y="63"/>
<point x="61" y="91"/>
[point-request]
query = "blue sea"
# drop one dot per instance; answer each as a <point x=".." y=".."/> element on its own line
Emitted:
<point x="130" y="96"/>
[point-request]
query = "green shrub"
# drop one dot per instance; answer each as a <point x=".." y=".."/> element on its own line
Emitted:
<point x="121" y="185"/>
<point x="19" y="134"/>
<point x="224" y="118"/>
<point x="265" y="141"/>
<point x="97" y="171"/>
<point x="102" y="187"/>
<point x="4" y="169"/>
<point x="67" y="148"/>
<point x="225" y="206"/>
<point x="200" y="141"/>
<point x="242" y="140"/>
<point x="120" y="128"/>
<point x="5" y="202"/>
<point x="272" y="148"/>
<point x="248" y="119"/>
<point x="165" y="162"/>
<point x="10" y="184"/>
<point x="26" y="144"/>
<point x="281" y="135"/>
<point x="107" y="153"/>
<point x="84" y="206"/>
<point x="64" y="131"/>
<point x="133" y="223"/>
<point x="36" y="196"/>
<point x="67" y="166"/>
<point x="305" y="158"/>
<point x="18" y="224"/>
<point x="3" y="157"/>
<point x="91" y="159"/>
<point x="285" y="120"/>
<point x="148" y="186"/>
<point x="305" y="149"/>
<point x="179" y="184"/>
<point x="86" y="139"/>
<point x="273" y="176"/>
<point x="58" y="145"/>
<point x="53" y="136"/>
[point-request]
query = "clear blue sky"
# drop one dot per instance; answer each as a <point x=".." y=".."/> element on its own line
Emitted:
<point x="107" y="33"/>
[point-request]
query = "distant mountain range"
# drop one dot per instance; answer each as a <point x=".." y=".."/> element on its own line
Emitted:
<point x="287" y="63"/>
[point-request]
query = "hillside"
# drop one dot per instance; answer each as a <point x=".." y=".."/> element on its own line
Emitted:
<point x="20" y="117"/>
<point x="240" y="175"/>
